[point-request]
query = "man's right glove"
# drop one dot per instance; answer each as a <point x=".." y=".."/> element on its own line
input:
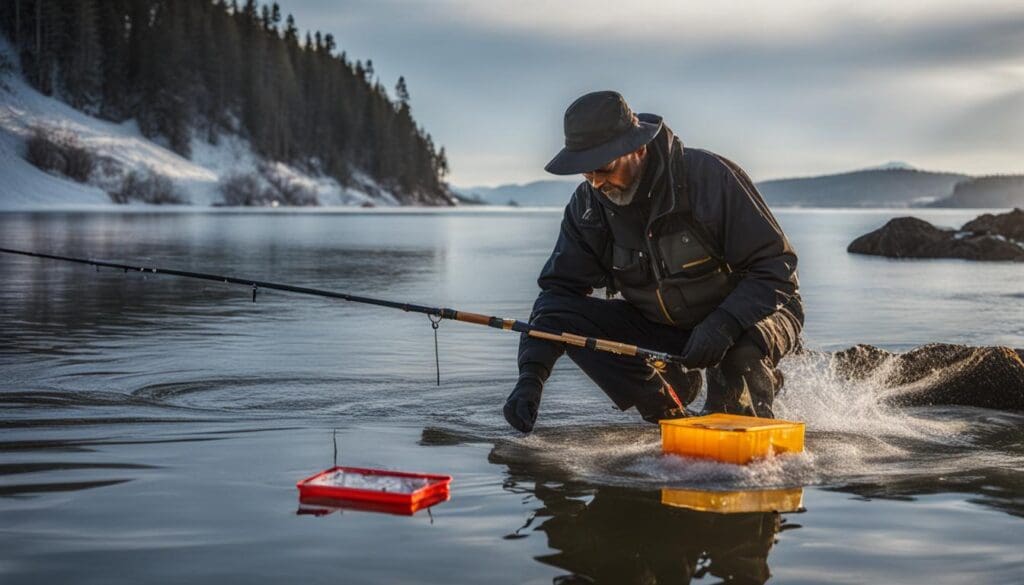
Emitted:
<point x="524" y="401"/>
<point x="710" y="339"/>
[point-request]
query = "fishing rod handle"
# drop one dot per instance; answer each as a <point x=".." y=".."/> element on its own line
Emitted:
<point x="478" y="319"/>
<point x="587" y="342"/>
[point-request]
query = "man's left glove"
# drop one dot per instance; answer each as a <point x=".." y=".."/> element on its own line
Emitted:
<point x="710" y="339"/>
<point x="523" y="403"/>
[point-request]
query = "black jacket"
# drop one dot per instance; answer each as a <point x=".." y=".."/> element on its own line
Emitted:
<point x="698" y="187"/>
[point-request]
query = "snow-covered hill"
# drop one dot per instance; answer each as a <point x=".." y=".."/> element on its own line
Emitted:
<point x="121" y="149"/>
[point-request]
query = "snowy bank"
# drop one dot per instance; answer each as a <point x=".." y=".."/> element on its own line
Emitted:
<point x="120" y="149"/>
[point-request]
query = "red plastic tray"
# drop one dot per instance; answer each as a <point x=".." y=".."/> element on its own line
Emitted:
<point x="435" y="491"/>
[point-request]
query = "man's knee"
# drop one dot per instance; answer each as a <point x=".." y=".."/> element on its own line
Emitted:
<point x="556" y="301"/>
<point x="588" y="316"/>
<point x="743" y="357"/>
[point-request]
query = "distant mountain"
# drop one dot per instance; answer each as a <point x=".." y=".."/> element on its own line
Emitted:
<point x="893" y="165"/>
<point x="893" y="184"/>
<point x="553" y="193"/>
<point x="992" y="191"/>
<point x="467" y="199"/>
<point x="887" y="187"/>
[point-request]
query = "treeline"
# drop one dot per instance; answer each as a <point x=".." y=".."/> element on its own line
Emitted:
<point x="990" y="191"/>
<point x="210" y="66"/>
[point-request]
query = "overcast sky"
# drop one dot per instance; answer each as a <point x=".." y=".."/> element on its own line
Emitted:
<point x="784" y="88"/>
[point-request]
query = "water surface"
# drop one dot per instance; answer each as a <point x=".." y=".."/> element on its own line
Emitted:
<point x="152" y="429"/>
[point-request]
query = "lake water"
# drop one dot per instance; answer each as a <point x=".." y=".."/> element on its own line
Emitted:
<point x="152" y="428"/>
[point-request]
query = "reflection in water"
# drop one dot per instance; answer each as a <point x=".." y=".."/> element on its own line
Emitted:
<point x="17" y="468"/>
<point x="628" y="536"/>
<point x="89" y="303"/>
<point x="319" y="506"/>
<point x="998" y="488"/>
<point x="734" y="502"/>
<point x="50" y="468"/>
<point x="606" y="534"/>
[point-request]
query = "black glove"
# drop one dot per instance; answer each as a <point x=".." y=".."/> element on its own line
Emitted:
<point x="711" y="339"/>
<point x="524" y="401"/>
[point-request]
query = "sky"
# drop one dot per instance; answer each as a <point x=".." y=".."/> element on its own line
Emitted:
<point x="784" y="88"/>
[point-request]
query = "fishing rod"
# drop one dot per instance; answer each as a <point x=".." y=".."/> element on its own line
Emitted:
<point x="657" y="360"/>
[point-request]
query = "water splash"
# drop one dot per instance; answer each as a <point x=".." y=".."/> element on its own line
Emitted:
<point x="854" y="435"/>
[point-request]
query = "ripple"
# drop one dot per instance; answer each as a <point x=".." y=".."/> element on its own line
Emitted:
<point x="70" y="486"/>
<point x="279" y="395"/>
<point x="18" y="468"/>
<point x="50" y="399"/>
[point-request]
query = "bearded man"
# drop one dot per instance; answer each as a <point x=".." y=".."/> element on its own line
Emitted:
<point x="702" y="267"/>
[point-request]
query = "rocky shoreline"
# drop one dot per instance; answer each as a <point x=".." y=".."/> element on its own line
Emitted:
<point x="988" y="238"/>
<point x="941" y="374"/>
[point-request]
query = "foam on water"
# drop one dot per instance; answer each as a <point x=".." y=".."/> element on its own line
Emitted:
<point x="631" y="456"/>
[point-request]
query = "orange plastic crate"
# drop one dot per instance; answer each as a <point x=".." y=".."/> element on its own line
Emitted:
<point x="730" y="438"/>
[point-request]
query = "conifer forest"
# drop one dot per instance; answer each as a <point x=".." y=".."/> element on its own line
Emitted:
<point x="186" y="69"/>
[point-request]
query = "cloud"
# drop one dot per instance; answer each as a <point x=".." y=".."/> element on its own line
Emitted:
<point x="995" y="123"/>
<point x="785" y="87"/>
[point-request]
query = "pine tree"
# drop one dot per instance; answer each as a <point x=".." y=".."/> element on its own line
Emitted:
<point x="291" y="34"/>
<point x="83" y="64"/>
<point x="40" y="59"/>
<point x="402" y="92"/>
<point x="250" y="13"/>
<point x="114" y="61"/>
<point x="265" y="18"/>
<point x="275" y="16"/>
<point x="441" y="163"/>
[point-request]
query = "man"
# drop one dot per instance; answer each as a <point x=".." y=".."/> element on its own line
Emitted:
<point x="703" y="268"/>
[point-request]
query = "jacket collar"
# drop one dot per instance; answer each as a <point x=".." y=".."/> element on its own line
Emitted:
<point x="669" y="151"/>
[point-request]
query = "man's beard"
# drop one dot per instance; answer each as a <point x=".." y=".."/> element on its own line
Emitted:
<point x="622" y="197"/>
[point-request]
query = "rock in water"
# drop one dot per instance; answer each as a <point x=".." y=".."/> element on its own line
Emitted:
<point x="901" y="237"/>
<point x="941" y="374"/>
<point x="1009" y="225"/>
<point x="988" y="237"/>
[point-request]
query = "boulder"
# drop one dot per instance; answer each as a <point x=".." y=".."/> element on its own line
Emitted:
<point x="1009" y="225"/>
<point x="941" y="374"/>
<point x="910" y="237"/>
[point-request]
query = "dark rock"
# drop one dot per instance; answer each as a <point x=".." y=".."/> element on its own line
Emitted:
<point x="901" y="237"/>
<point x="941" y="374"/>
<point x="1009" y="225"/>
<point x="910" y="237"/>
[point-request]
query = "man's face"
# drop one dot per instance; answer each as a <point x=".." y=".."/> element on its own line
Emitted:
<point x="619" y="175"/>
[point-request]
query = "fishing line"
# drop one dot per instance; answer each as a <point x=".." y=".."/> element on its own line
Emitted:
<point x="435" y="324"/>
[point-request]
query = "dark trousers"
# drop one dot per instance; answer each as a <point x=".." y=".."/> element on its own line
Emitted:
<point x="744" y="383"/>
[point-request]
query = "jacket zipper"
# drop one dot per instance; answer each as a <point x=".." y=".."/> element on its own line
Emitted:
<point x="661" y="304"/>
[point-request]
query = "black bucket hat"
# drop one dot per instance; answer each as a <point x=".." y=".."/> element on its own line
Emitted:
<point x="599" y="128"/>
